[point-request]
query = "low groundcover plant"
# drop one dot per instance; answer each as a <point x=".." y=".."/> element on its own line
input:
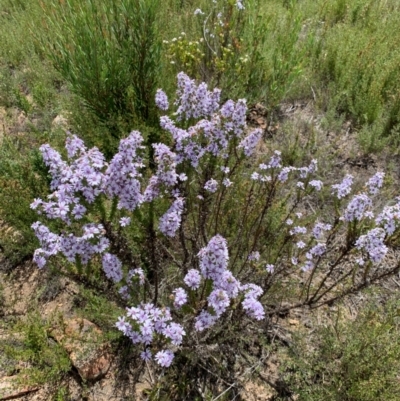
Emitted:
<point x="207" y="231"/>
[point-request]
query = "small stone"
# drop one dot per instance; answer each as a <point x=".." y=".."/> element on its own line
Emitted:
<point x="10" y="388"/>
<point x="59" y="122"/>
<point x="82" y="340"/>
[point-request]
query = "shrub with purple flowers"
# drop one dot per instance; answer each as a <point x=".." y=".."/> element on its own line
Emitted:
<point x="199" y="263"/>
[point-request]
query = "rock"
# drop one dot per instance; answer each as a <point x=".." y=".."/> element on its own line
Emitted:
<point x="82" y="340"/>
<point x="10" y="388"/>
<point x="59" y="122"/>
<point x="22" y="119"/>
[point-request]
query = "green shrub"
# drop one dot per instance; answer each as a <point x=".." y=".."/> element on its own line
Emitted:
<point x="22" y="178"/>
<point x="350" y="360"/>
<point x="108" y="52"/>
<point x="355" y="60"/>
<point x="44" y="360"/>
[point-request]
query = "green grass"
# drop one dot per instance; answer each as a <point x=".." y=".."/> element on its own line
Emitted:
<point x="43" y="360"/>
<point x="344" y="52"/>
<point x="349" y="360"/>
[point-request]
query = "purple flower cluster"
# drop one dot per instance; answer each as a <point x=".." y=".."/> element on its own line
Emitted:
<point x="162" y="100"/>
<point x="214" y="266"/>
<point x="319" y="229"/>
<point x="171" y="220"/>
<point x="81" y="179"/>
<point x="195" y="101"/>
<point x="344" y="188"/>
<point x="250" y="303"/>
<point x="214" y="258"/>
<point x="317" y="184"/>
<point x="213" y="133"/>
<point x="166" y="174"/>
<point x="254" y="256"/>
<point x="192" y="279"/>
<point x="298" y="230"/>
<point x="112" y="267"/>
<point x="375" y="183"/>
<point x="90" y="243"/>
<point x="180" y="297"/>
<point x="373" y="244"/>
<point x="389" y="218"/>
<point x="249" y="143"/>
<point x="358" y="208"/>
<point x="147" y="322"/>
<point x="164" y="358"/>
<point x="49" y="242"/>
<point x="234" y="116"/>
<point x="265" y="175"/>
<point x="122" y="175"/>
<point x="211" y="186"/>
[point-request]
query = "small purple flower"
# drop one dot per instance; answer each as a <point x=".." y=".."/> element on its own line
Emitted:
<point x="317" y="184"/>
<point x="112" y="267"/>
<point x="319" y="229"/>
<point x="270" y="268"/>
<point x="162" y="100"/>
<point x="37" y="202"/>
<point x="275" y="161"/>
<point x="39" y="259"/>
<point x="211" y="185"/>
<point x="192" y="279"/>
<point x="249" y="143"/>
<point x="253" y="308"/>
<point x="137" y="273"/>
<point x="182" y="177"/>
<point x="171" y="220"/>
<point x="164" y="358"/>
<point x="74" y="145"/>
<point x="298" y="230"/>
<point x="180" y="297"/>
<point x="124" y="221"/>
<point x="375" y="183"/>
<point x="373" y="244"/>
<point x="204" y="321"/>
<point x="357" y="207"/>
<point x="122" y="325"/>
<point x="227" y="182"/>
<point x="284" y="174"/>
<point x="344" y="187"/>
<point x="317" y="250"/>
<point x="307" y="266"/>
<point x="219" y="301"/>
<point x="254" y="255"/>
<point x="214" y="258"/>
<point x="146" y="355"/>
<point x="389" y="218"/>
